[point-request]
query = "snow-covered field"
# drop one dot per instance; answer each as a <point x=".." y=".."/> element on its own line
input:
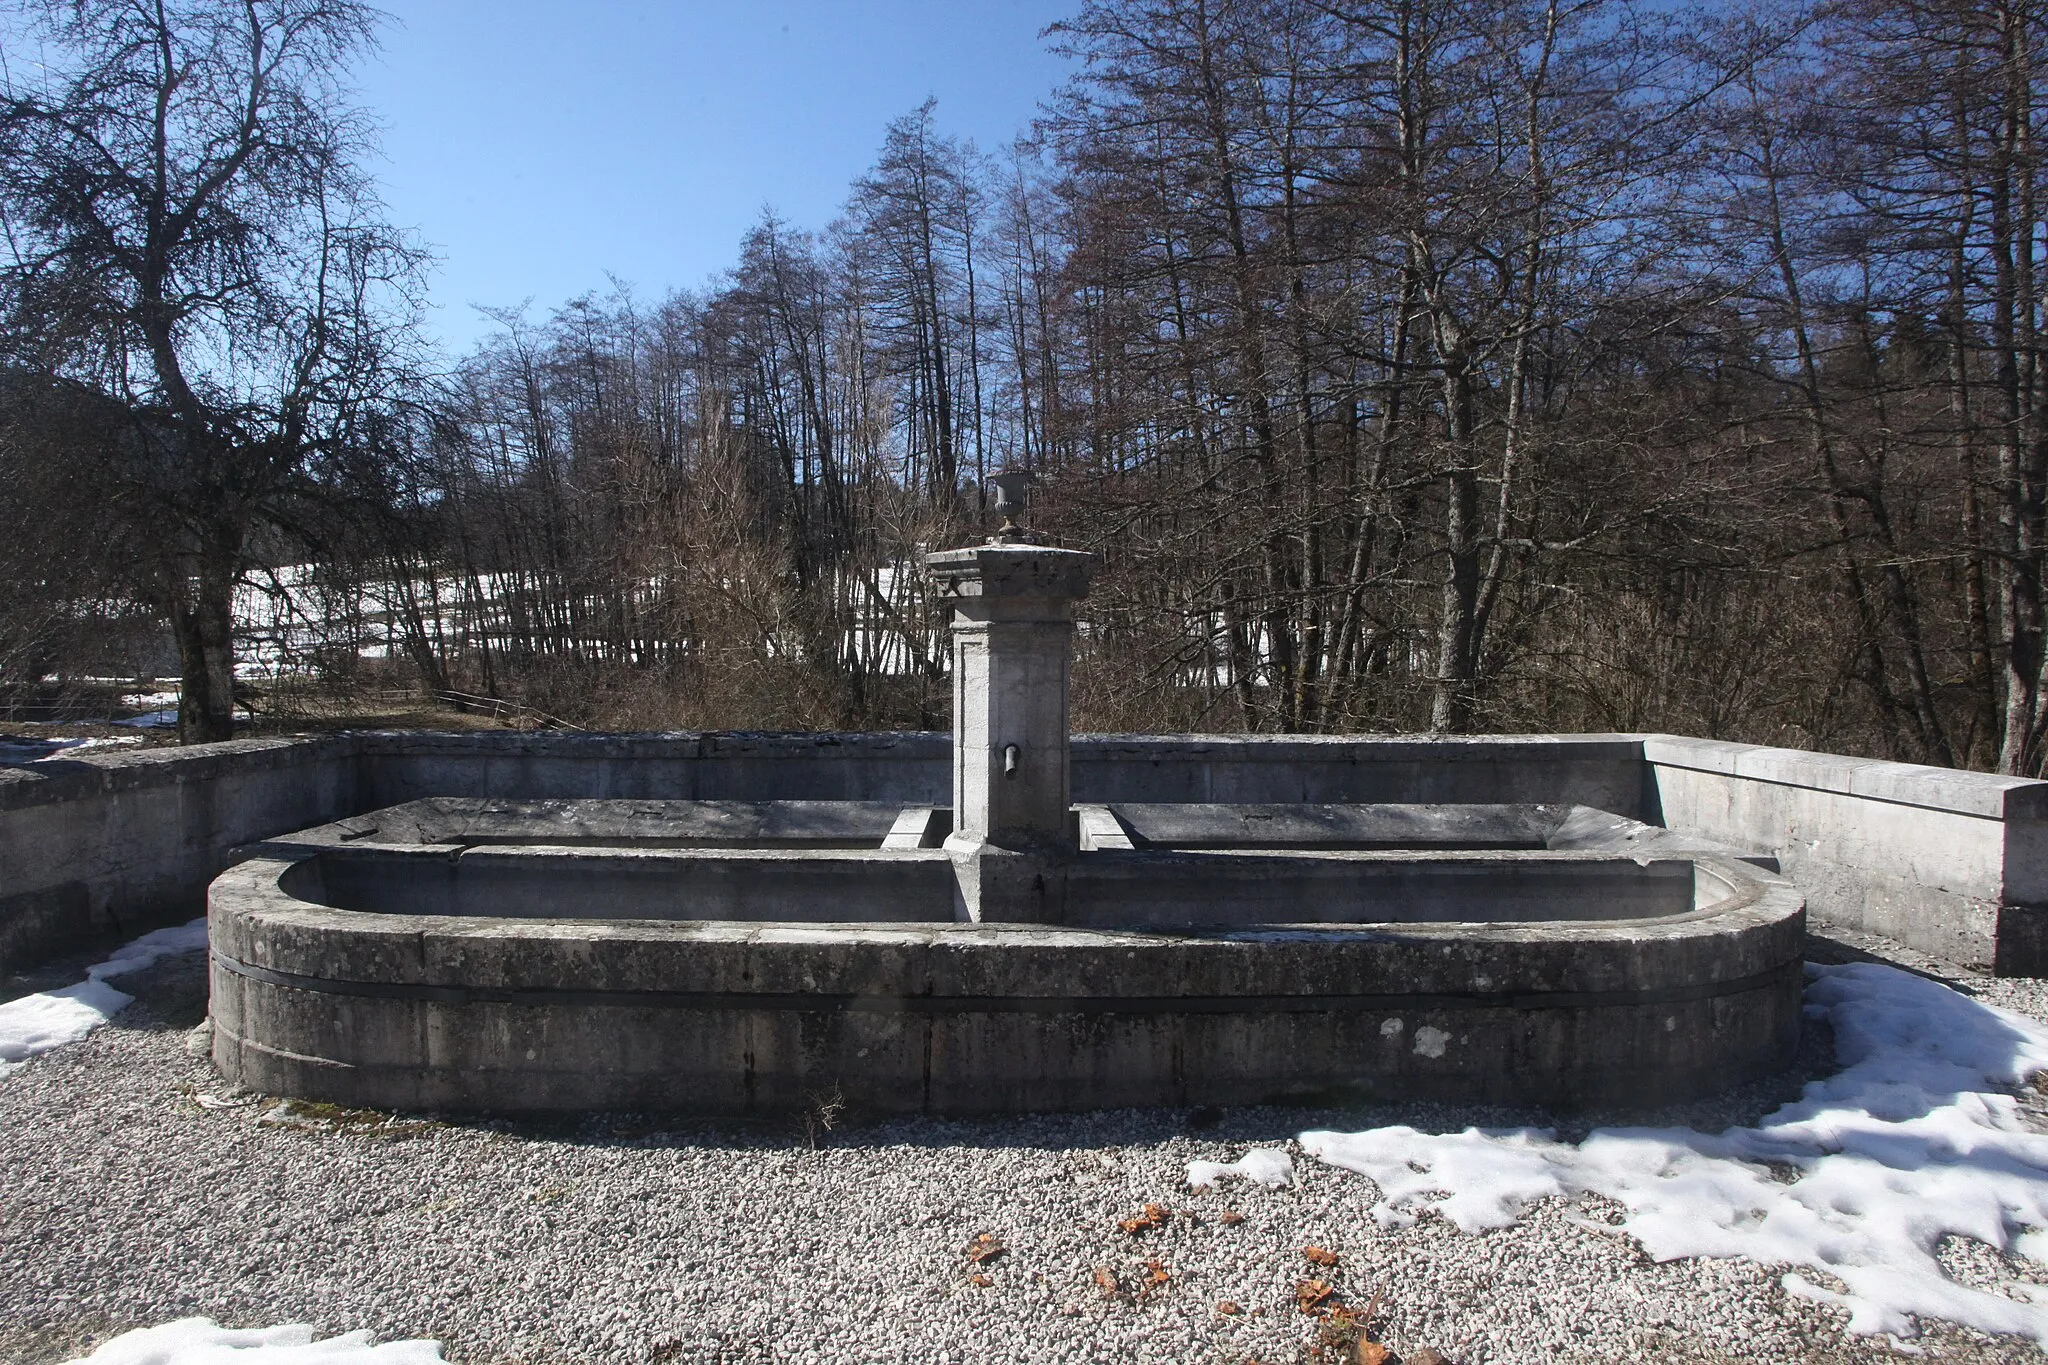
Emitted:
<point x="1883" y="1209"/>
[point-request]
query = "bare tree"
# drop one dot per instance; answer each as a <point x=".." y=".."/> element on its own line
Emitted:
<point x="185" y="213"/>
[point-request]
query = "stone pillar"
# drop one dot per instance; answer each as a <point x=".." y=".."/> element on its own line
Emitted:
<point x="1013" y="628"/>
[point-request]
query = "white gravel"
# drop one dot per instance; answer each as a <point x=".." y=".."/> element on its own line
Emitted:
<point x="131" y="1195"/>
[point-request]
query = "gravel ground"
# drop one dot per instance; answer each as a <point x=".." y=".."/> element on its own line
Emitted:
<point x="125" y="1202"/>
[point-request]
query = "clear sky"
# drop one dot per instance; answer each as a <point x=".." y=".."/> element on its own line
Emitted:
<point x="537" y="147"/>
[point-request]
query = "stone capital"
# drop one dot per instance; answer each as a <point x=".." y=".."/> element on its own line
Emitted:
<point x="1012" y="571"/>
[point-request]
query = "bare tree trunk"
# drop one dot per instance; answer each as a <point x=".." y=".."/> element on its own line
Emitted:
<point x="203" y="623"/>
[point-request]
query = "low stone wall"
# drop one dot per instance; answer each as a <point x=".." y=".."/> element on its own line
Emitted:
<point x="913" y="768"/>
<point x="1952" y="863"/>
<point x="1602" y="771"/>
<point x="105" y="845"/>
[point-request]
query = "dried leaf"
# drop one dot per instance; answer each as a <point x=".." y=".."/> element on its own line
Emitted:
<point x="1429" y="1355"/>
<point x="1321" y="1256"/>
<point x="1228" y="1308"/>
<point x="1370" y="1352"/>
<point x="1108" y="1283"/>
<point x="1231" y="1217"/>
<point x="1311" y="1295"/>
<point x="1156" y="1274"/>
<point x="981" y="1281"/>
<point x="985" y="1247"/>
<point x="1152" y="1216"/>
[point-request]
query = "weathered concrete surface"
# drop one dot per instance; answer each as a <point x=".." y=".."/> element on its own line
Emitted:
<point x="116" y="843"/>
<point x="433" y="1012"/>
<point x="1172" y="890"/>
<point x="1601" y="771"/>
<point x="1952" y="863"/>
<point x="650" y="823"/>
<point x="790" y="884"/>
<point x="909" y="769"/>
<point x="1328" y="825"/>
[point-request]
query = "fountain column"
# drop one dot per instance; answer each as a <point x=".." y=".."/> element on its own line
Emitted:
<point x="1013" y="629"/>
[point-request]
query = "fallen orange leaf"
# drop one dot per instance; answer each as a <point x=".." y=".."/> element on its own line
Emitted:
<point x="1371" y="1353"/>
<point x="1311" y="1295"/>
<point x="986" y="1246"/>
<point x="1229" y="1217"/>
<point x="980" y="1281"/>
<point x="1107" y="1282"/>
<point x="1228" y="1308"/>
<point x="1153" y="1216"/>
<point x="1320" y="1255"/>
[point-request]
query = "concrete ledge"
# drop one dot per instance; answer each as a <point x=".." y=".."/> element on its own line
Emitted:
<point x="1911" y="784"/>
<point x="106" y="774"/>
<point x="1952" y="863"/>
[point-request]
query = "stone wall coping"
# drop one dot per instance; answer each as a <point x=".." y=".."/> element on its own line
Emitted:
<point x="652" y="743"/>
<point x="70" y="778"/>
<point x="1396" y="748"/>
<point x="1987" y="795"/>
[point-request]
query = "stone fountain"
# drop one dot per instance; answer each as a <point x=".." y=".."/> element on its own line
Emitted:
<point x="1012" y="952"/>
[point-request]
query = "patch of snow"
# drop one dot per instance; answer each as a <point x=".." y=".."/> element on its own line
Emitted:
<point x="1262" y="1165"/>
<point x="36" y="1023"/>
<point x="152" y="701"/>
<point x="201" y="1341"/>
<point x="138" y="953"/>
<point x="1912" y="1141"/>
<point x="31" y="750"/>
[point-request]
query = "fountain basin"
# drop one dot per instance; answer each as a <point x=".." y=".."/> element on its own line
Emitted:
<point x="730" y="958"/>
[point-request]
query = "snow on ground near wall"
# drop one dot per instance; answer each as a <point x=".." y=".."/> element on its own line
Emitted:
<point x="1860" y="1178"/>
<point x="36" y="1023"/>
<point x="199" y="1341"/>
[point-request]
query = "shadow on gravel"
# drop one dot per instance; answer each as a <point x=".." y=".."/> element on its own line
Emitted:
<point x="1835" y="952"/>
<point x="50" y="1345"/>
<point x="170" y="995"/>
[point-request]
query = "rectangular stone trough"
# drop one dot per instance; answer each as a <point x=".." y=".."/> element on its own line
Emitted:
<point x="737" y="957"/>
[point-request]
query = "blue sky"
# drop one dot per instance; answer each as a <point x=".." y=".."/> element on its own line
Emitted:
<point x="537" y="147"/>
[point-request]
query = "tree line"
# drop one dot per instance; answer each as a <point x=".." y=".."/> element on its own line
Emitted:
<point x="1459" y="365"/>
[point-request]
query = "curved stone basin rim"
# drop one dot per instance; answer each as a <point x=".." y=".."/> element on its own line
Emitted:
<point x="490" y="1013"/>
